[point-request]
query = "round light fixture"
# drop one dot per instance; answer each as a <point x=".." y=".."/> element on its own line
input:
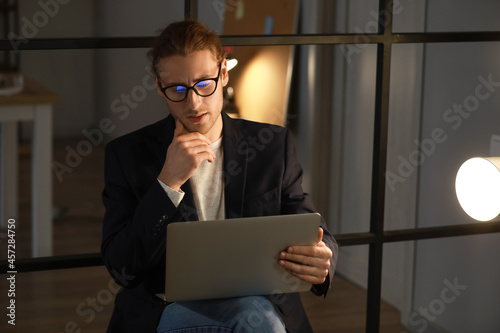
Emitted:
<point x="478" y="187"/>
<point x="231" y="63"/>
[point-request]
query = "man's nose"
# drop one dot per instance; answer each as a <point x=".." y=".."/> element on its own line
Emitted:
<point x="193" y="99"/>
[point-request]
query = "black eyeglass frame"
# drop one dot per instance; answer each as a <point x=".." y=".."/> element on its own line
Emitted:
<point x="215" y="79"/>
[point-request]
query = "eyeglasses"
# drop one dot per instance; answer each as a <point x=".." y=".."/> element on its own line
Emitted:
<point x="203" y="88"/>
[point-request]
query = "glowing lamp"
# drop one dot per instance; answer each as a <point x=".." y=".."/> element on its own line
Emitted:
<point x="231" y="62"/>
<point x="478" y="187"/>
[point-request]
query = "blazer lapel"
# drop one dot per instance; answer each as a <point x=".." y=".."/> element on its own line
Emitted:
<point x="164" y="135"/>
<point x="235" y="167"/>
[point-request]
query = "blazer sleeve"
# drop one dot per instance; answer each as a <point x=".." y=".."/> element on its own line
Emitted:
<point x="294" y="201"/>
<point x="133" y="237"/>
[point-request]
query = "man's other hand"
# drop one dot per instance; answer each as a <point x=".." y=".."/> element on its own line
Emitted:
<point x="309" y="263"/>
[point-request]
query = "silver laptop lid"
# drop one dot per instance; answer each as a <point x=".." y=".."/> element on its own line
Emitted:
<point x="234" y="257"/>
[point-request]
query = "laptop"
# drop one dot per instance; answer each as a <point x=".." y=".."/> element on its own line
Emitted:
<point x="234" y="257"/>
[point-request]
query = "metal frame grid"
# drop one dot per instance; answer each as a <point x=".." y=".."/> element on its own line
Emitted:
<point x="377" y="236"/>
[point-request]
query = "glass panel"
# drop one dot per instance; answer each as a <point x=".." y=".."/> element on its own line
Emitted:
<point x="71" y="75"/>
<point x="101" y="94"/>
<point x="436" y="287"/>
<point x="409" y="16"/>
<point x="77" y="204"/>
<point x="443" y="110"/>
<point x="351" y="98"/>
<point x="57" y="19"/>
<point x="455" y="285"/>
<point x="446" y="16"/>
<point x="244" y="17"/>
<point x="349" y="17"/>
<point x="459" y="120"/>
<point x="127" y="90"/>
<point x="463" y="15"/>
<point x="397" y="286"/>
<point x="404" y="130"/>
<point x="263" y="72"/>
<point x="84" y="18"/>
<point x="330" y="113"/>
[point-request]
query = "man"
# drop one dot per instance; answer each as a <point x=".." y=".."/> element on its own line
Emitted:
<point x="199" y="164"/>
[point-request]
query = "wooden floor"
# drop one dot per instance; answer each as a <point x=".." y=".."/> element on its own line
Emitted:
<point x="81" y="300"/>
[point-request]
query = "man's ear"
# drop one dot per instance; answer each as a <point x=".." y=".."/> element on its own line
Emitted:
<point x="158" y="87"/>
<point x="224" y="74"/>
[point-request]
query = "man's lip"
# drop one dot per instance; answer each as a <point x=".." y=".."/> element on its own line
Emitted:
<point x="196" y="118"/>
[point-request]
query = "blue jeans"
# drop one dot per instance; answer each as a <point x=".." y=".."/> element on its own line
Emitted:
<point x="240" y="315"/>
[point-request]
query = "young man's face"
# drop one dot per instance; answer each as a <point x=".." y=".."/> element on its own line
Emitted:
<point x="197" y="113"/>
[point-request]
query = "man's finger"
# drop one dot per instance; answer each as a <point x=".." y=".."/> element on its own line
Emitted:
<point x="307" y="273"/>
<point x="311" y="258"/>
<point x="189" y="141"/>
<point x="320" y="235"/>
<point x="209" y="156"/>
<point x="308" y="278"/>
<point x="194" y="138"/>
<point x="202" y="151"/>
<point x="179" y="128"/>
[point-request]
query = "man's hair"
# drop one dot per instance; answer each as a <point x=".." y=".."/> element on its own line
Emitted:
<point x="183" y="38"/>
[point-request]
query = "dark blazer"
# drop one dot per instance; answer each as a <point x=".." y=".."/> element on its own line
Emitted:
<point x="261" y="177"/>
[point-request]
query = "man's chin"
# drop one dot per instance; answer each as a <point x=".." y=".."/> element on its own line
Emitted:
<point x="200" y="128"/>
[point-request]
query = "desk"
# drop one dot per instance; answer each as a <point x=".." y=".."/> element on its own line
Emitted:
<point x="34" y="103"/>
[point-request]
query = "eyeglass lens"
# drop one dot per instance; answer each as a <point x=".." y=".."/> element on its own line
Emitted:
<point x="203" y="88"/>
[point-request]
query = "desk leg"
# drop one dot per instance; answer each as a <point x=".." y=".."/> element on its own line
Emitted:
<point x="8" y="169"/>
<point x="42" y="182"/>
